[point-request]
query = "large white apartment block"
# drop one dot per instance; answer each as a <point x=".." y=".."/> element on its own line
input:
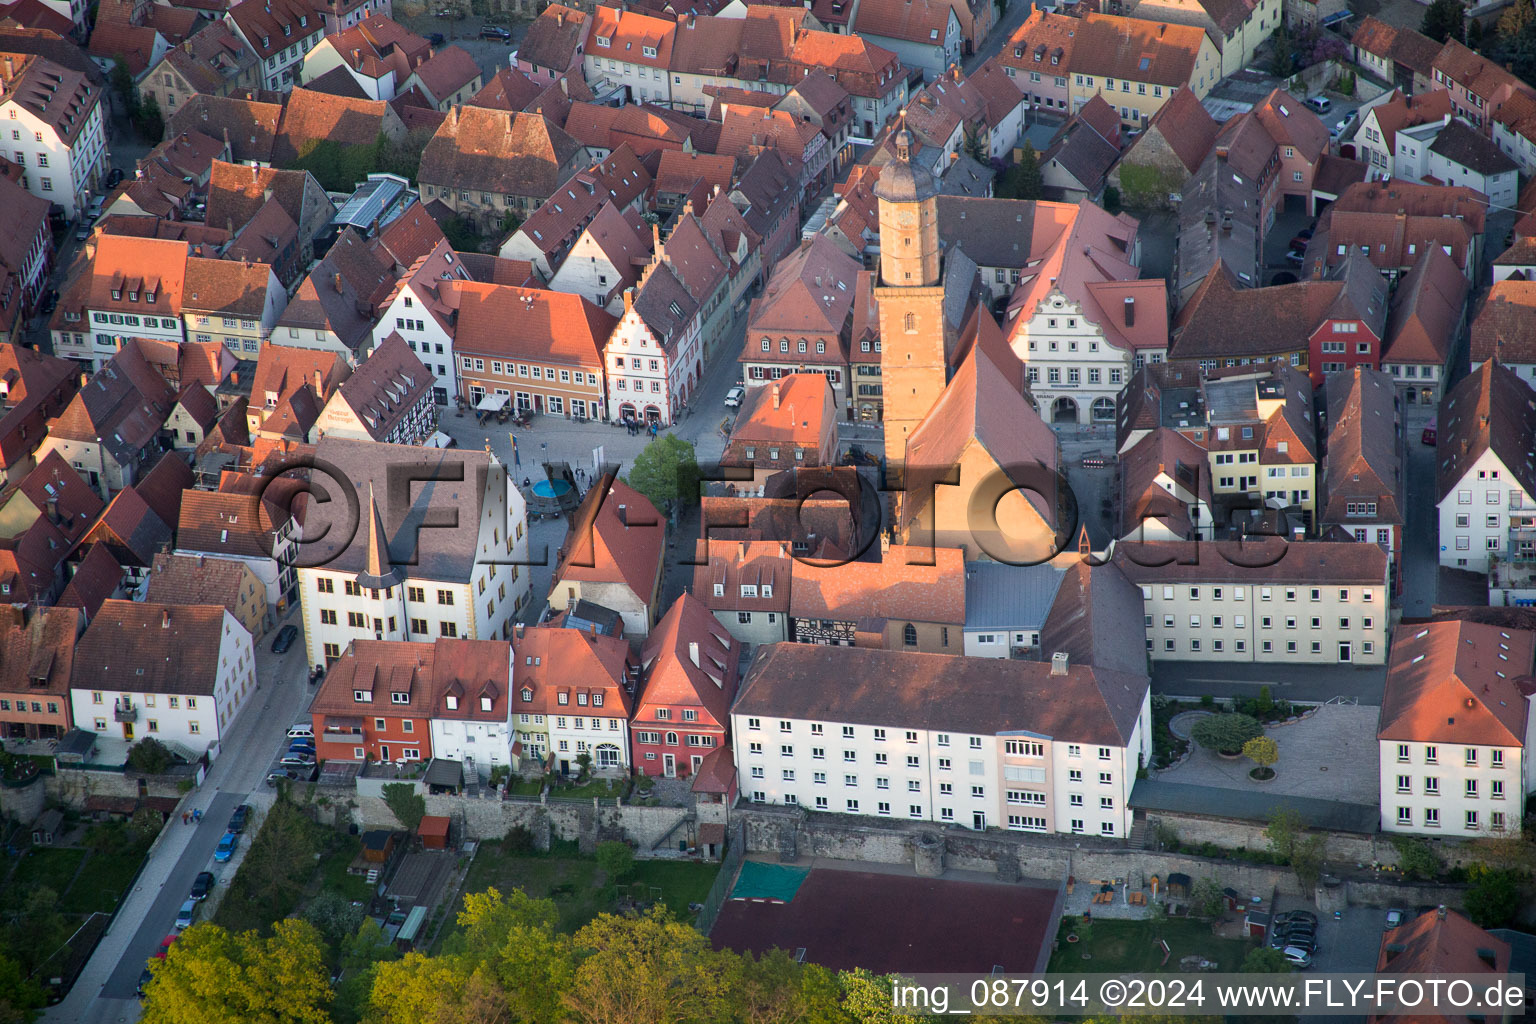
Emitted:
<point x="1301" y="602"/>
<point x="57" y="131"/>
<point x="1485" y="478"/>
<point x="391" y="575"/>
<point x="178" y="673"/>
<point x="975" y="742"/>
<point x="1454" y="727"/>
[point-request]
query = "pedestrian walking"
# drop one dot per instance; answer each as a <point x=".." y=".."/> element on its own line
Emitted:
<point x="184" y="817"/>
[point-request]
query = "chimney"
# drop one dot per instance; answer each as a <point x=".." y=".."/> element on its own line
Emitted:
<point x="85" y="378"/>
<point x="1130" y="311"/>
<point x="565" y="86"/>
<point x="624" y="516"/>
<point x="53" y="510"/>
<point x="266" y="195"/>
<point x="775" y="394"/>
<point x="319" y="383"/>
<point x="1160" y="30"/>
<point x="693" y="652"/>
<point x="336" y="281"/>
<point x="885" y="544"/>
<point x="629" y="299"/>
<point x="560" y="18"/>
<point x="165" y="623"/>
<point x="1059" y="663"/>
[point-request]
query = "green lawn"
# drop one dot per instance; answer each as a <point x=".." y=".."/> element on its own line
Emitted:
<point x="45" y="866"/>
<point x="525" y="787"/>
<point x="573" y="883"/>
<point x="333" y="870"/>
<point x="597" y="787"/>
<point x="104" y="880"/>
<point x="1131" y="946"/>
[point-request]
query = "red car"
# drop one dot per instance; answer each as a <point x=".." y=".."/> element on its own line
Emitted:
<point x="165" y="945"/>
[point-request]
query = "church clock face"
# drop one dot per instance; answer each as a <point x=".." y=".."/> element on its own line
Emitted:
<point x="906" y="220"/>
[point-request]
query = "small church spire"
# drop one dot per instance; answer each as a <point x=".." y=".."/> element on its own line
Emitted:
<point x="378" y="544"/>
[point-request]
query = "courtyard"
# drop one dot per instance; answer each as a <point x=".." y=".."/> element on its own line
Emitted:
<point x="1331" y="755"/>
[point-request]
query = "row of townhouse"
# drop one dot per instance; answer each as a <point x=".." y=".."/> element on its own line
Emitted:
<point x="177" y="673"/>
<point x="636" y="56"/>
<point x="1136" y="65"/>
<point x="549" y="697"/>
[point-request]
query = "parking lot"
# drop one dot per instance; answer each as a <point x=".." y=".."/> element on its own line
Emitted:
<point x="1349" y="944"/>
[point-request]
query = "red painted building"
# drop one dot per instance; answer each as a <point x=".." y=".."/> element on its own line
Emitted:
<point x="1351" y="318"/>
<point x="688" y="681"/>
<point x="376" y="702"/>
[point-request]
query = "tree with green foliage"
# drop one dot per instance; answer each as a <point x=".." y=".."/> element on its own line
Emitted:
<point x="1263" y="960"/>
<point x="616" y="859"/>
<point x="407" y="805"/>
<point x="1023" y="179"/>
<point x="1282" y="60"/>
<point x="1206" y="898"/>
<point x="1516" y="17"/>
<point x="1494" y="898"/>
<point x="1416" y="858"/>
<point x="462" y="235"/>
<point x="666" y="472"/>
<point x="359" y="956"/>
<point x="973" y="145"/>
<point x="867" y="999"/>
<point x="417" y="988"/>
<point x="148" y="119"/>
<point x="648" y="970"/>
<point x="1445" y="19"/>
<point x="1284" y="828"/>
<point x="121" y="80"/>
<point x="20" y="996"/>
<point x="1226" y="733"/>
<point x="36" y="930"/>
<point x="1516" y="48"/>
<point x="774" y="989"/>
<point x="512" y="943"/>
<point x="1264" y="752"/>
<point x="214" y="975"/>
<point x="150" y="757"/>
<point x="334" y="916"/>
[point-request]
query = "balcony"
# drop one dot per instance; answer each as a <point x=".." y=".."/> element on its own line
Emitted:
<point x="125" y="711"/>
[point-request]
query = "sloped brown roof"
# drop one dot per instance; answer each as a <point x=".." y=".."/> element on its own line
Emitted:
<point x="508" y="89"/>
<point x="1163" y="451"/>
<point x="176" y="647"/>
<point x="249" y="125"/>
<point x="1489" y="409"/>
<point x="1094" y="609"/>
<point x="1465" y="146"/>
<point x="1187" y="127"/>
<point x="496" y="151"/>
<point x="387" y="386"/>
<point x="447" y="71"/>
<point x="924" y="22"/>
<point x="900" y="689"/>
<point x="38" y="646"/>
<point x="226" y="287"/>
<point x="1363" y="462"/>
<point x="1268" y="560"/>
<point x="311" y="117"/>
<point x="94" y="579"/>
<point x="919" y="584"/>
<point x="551" y="661"/>
<point x="552" y="41"/>
<point x="1426" y="311"/>
<point x="1456" y="682"/>
<point x="1505" y="326"/>
<point x="619" y="538"/>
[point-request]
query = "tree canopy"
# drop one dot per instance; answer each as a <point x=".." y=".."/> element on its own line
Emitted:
<point x="666" y="472"/>
<point x="211" y="974"/>
<point x="1226" y="733"/>
<point x="1445" y="19"/>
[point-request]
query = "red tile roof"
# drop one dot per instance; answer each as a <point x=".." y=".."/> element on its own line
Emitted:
<point x="1426" y="312"/>
<point x="922" y="584"/>
<point x="1455" y="682"/>
<point x="672" y="679"/>
<point x="176" y="647"/>
<point x="619" y="537"/>
<point x="1438" y="943"/>
<point x="552" y="661"/>
<point x="501" y="321"/>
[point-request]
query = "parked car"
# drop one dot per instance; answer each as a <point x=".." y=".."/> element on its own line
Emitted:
<point x="1429" y="435"/>
<point x="83" y="232"/>
<point x="202" y="885"/>
<point x="1321" y="104"/>
<point x="185" y="915"/>
<point x="1394" y="918"/>
<point x="1304" y="942"/>
<point x="301" y="731"/>
<point x="496" y="32"/>
<point x="1296" y="257"/>
<point x="1291" y="917"/>
<point x="284" y="639"/>
<point x="145" y="977"/>
<point x="115" y="178"/>
<point x="436" y="38"/>
<point x="1297" y="957"/>
<point x="284" y="775"/>
<point x="1302" y="238"/>
<point x="293" y="760"/>
<point x="734" y="396"/>
<point x="237" y="820"/>
<point x="226" y="847"/>
<point x="165" y="945"/>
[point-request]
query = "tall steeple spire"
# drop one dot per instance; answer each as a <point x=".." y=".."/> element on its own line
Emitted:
<point x="378" y="545"/>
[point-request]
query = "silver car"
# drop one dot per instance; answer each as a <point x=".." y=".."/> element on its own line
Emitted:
<point x="1297" y="957"/>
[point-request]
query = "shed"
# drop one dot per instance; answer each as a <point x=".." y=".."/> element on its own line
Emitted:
<point x="47" y="827"/>
<point x="410" y="931"/>
<point x="378" y="844"/>
<point x="444" y="774"/>
<point x="1178" y="885"/>
<point x="433" y="831"/>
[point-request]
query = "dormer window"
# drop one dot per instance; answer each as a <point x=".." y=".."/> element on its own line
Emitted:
<point x="117" y="294"/>
<point x="597" y="700"/>
<point x="485" y="703"/>
<point x="581" y="699"/>
<point x="527" y="695"/>
<point x="604" y="40"/>
<point x="649" y="51"/>
<point x="399" y="698"/>
<point x="149" y="296"/>
<point x="564" y="698"/>
<point x="451" y="702"/>
<point x="362" y="696"/>
<point x="303" y="20"/>
<point x="133" y="296"/>
<point x="287" y="30"/>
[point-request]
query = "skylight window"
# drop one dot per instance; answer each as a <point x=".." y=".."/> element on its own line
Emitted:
<point x="1146" y="62"/>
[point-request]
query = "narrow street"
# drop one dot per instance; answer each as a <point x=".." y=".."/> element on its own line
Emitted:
<point x="104" y="993"/>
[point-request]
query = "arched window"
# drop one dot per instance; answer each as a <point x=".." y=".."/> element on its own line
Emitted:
<point x="909" y="323"/>
<point x="909" y="635"/>
<point x="671" y="739"/>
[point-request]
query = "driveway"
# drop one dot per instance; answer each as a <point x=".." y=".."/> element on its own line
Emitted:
<point x="105" y="990"/>
<point x="1332" y="753"/>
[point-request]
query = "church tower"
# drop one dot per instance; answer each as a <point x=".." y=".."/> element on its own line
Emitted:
<point x="913" y="354"/>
